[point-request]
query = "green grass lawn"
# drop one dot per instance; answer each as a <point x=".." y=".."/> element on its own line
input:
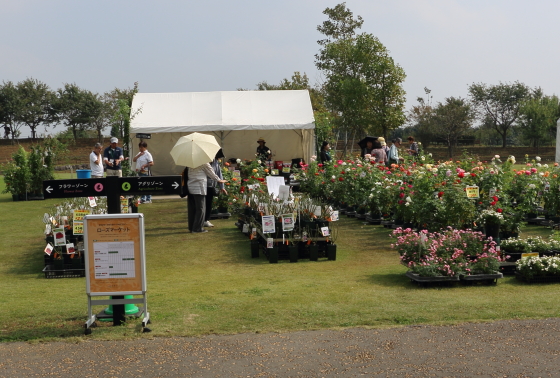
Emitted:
<point x="207" y="283"/>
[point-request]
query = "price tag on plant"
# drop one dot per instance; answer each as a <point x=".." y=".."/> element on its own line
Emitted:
<point x="78" y="228"/>
<point x="472" y="191"/>
<point x="269" y="242"/>
<point x="48" y="249"/>
<point x="334" y="216"/>
<point x="245" y="228"/>
<point x="59" y="237"/>
<point x="92" y="202"/>
<point x="325" y="231"/>
<point x="70" y="248"/>
<point x="304" y="236"/>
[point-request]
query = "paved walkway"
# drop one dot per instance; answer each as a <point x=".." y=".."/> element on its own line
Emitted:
<point x="528" y="348"/>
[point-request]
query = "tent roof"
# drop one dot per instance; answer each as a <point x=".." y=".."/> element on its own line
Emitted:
<point x="221" y="111"/>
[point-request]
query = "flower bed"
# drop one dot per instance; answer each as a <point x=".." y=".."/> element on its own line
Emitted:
<point x="450" y="253"/>
<point x="538" y="269"/>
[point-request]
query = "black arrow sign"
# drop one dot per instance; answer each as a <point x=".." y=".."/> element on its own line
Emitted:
<point x="150" y="185"/>
<point x="74" y="188"/>
<point x="96" y="187"/>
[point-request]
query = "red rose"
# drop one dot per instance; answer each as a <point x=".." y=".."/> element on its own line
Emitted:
<point x="341" y="179"/>
<point x="499" y="210"/>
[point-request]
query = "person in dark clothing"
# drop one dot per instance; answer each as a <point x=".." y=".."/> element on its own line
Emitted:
<point x="211" y="190"/>
<point x="263" y="152"/>
<point x="325" y="154"/>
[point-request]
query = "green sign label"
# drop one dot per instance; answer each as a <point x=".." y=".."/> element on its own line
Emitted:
<point x="126" y="186"/>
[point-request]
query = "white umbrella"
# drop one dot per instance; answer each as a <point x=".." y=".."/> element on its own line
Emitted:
<point x="195" y="149"/>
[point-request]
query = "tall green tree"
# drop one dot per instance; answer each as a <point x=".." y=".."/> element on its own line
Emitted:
<point x="37" y="99"/>
<point x="538" y="118"/>
<point x="422" y="119"/>
<point x="453" y="118"/>
<point x="71" y="108"/>
<point x="11" y="109"/>
<point x="499" y="105"/>
<point x="363" y="84"/>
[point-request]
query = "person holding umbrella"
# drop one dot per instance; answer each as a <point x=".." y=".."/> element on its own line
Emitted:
<point x="366" y="145"/>
<point x="195" y="151"/>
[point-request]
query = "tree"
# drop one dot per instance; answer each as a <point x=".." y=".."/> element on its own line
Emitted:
<point x="452" y="118"/>
<point x="538" y="118"/>
<point x="422" y="120"/>
<point x="11" y="109"/>
<point x="99" y="110"/>
<point x="363" y="85"/>
<point x="36" y="99"/>
<point x="499" y="105"/>
<point x="121" y="110"/>
<point x="323" y="118"/>
<point x="71" y="107"/>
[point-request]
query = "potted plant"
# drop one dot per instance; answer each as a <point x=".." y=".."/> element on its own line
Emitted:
<point x="492" y="220"/>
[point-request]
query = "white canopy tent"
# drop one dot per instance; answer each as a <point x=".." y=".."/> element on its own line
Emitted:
<point x="237" y="119"/>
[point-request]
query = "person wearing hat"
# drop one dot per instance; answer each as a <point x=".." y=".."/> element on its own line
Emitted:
<point x="113" y="156"/>
<point x="325" y="154"/>
<point x="263" y="152"/>
<point x="383" y="145"/>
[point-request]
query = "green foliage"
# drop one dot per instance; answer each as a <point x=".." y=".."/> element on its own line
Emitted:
<point x="538" y="119"/>
<point x="499" y="105"/>
<point x="363" y="85"/>
<point x="17" y="174"/>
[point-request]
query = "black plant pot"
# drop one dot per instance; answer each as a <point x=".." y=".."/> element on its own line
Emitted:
<point x="331" y="251"/>
<point x="255" y="246"/>
<point x="273" y="255"/>
<point x="493" y="231"/>
<point x="293" y="252"/>
<point x="313" y="252"/>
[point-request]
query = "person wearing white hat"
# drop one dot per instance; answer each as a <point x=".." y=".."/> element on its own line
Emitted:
<point x="113" y="156"/>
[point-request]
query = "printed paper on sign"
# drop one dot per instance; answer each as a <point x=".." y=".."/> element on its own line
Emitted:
<point x="472" y="191"/>
<point x="268" y="225"/>
<point x="334" y="216"/>
<point x="59" y="237"/>
<point x="78" y="228"/>
<point x="48" y="249"/>
<point x="287" y="222"/>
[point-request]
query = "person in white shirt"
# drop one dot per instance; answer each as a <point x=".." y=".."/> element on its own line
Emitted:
<point x="96" y="161"/>
<point x="144" y="161"/>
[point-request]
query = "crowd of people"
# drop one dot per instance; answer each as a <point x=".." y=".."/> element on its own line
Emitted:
<point x="376" y="148"/>
<point x="201" y="184"/>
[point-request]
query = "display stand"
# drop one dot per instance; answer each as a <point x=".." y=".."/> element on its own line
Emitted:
<point x="115" y="265"/>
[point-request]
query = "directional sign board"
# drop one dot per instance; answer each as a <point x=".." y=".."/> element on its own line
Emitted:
<point x="96" y="187"/>
<point x="150" y="185"/>
<point x="74" y="188"/>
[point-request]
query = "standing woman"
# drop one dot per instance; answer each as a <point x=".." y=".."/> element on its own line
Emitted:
<point x="211" y="188"/>
<point x="144" y="161"/>
<point x="413" y="147"/>
<point x="325" y="154"/>
<point x="378" y="153"/>
<point x="197" y="184"/>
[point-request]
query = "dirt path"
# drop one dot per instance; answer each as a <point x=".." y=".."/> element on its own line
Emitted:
<point x="528" y="348"/>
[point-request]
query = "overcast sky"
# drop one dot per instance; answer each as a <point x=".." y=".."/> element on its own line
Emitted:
<point x="217" y="45"/>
